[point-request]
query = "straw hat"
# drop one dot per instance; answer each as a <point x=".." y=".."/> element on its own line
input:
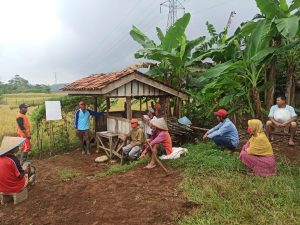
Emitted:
<point x="9" y="143"/>
<point x="160" y="124"/>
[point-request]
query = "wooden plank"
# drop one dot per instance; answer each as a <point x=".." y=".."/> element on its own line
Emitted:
<point x="107" y="105"/>
<point x="141" y="89"/>
<point x="119" y="118"/>
<point x="128" y="110"/>
<point x="114" y="93"/>
<point x="146" y="90"/>
<point x="160" y="86"/>
<point x="128" y="89"/>
<point x="151" y="91"/>
<point x="156" y="92"/>
<point x="134" y="89"/>
<point x="121" y="91"/>
<point x="111" y="125"/>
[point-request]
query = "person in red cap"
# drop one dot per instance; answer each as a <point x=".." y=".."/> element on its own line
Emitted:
<point x="225" y="134"/>
<point x="137" y="139"/>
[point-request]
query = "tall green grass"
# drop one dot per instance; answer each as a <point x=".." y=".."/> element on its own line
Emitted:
<point x="226" y="195"/>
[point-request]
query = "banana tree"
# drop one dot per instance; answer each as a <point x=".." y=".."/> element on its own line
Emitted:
<point x="249" y="65"/>
<point x="173" y="54"/>
<point x="284" y="21"/>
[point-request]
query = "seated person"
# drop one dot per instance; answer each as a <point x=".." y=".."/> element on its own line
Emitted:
<point x="161" y="144"/>
<point x="137" y="137"/>
<point x="13" y="177"/>
<point x="147" y="120"/>
<point x="225" y="134"/>
<point x="257" y="153"/>
<point x="282" y="115"/>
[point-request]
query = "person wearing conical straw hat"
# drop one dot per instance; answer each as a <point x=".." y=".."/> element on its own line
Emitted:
<point x="13" y="177"/>
<point x="162" y="143"/>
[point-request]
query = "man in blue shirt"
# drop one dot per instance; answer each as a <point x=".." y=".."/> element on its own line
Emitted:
<point x="225" y="134"/>
<point x="82" y="126"/>
<point x="282" y="115"/>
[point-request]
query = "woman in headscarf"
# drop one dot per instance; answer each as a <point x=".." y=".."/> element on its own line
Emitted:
<point x="257" y="154"/>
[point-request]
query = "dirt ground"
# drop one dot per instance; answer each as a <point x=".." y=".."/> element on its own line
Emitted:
<point x="138" y="196"/>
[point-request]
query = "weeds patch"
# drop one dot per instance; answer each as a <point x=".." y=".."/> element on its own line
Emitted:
<point x="121" y="168"/>
<point x="219" y="183"/>
<point x="67" y="174"/>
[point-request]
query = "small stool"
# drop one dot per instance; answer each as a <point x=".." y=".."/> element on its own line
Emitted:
<point x="16" y="197"/>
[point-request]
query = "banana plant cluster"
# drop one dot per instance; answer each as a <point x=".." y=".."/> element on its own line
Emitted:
<point x="229" y="71"/>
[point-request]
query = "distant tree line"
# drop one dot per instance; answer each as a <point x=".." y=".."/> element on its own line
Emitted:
<point x="20" y="85"/>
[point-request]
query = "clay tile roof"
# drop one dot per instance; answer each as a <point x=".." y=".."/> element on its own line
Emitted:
<point x="97" y="81"/>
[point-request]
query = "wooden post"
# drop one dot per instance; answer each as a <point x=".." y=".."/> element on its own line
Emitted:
<point x="128" y="106"/>
<point x="179" y="107"/>
<point x="167" y="106"/>
<point x="95" y="118"/>
<point x="140" y="104"/>
<point x="107" y="105"/>
<point x="147" y="106"/>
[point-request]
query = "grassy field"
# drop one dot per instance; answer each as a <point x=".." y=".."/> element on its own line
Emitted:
<point x="226" y="195"/>
<point x="10" y="102"/>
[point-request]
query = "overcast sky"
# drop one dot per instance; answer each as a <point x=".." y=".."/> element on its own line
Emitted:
<point x="75" y="38"/>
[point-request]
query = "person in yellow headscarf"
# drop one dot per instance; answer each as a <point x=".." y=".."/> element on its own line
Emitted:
<point x="257" y="154"/>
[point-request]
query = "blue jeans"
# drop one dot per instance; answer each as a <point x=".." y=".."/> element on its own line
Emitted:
<point x="223" y="142"/>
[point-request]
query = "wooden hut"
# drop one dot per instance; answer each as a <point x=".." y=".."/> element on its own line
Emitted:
<point x="129" y="84"/>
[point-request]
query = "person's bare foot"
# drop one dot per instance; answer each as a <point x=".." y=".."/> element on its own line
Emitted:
<point x="150" y="166"/>
<point x="228" y="151"/>
<point x="291" y="142"/>
<point x="250" y="173"/>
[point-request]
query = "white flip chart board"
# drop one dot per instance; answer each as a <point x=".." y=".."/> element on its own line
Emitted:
<point x="53" y="110"/>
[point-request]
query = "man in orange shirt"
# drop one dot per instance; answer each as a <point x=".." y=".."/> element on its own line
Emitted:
<point x="24" y="131"/>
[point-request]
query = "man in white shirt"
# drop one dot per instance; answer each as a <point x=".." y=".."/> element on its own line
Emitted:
<point x="282" y="115"/>
<point x="147" y="122"/>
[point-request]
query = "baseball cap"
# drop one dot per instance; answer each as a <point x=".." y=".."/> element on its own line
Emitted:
<point x="134" y="120"/>
<point x="221" y="113"/>
<point x="23" y="105"/>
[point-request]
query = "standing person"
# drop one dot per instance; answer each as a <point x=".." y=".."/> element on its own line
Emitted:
<point x="161" y="144"/>
<point x="13" y="177"/>
<point x="147" y="121"/>
<point x="257" y="154"/>
<point x="24" y="131"/>
<point x="282" y="116"/>
<point x="225" y="134"/>
<point x="158" y="109"/>
<point x="82" y="126"/>
<point x="137" y="139"/>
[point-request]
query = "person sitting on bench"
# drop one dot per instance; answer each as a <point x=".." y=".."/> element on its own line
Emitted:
<point x="13" y="177"/>
<point x="137" y="137"/>
<point x="282" y="116"/>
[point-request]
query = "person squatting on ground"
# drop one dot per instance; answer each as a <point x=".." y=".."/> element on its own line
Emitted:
<point x="257" y="154"/>
<point x="24" y="131"/>
<point x="161" y="144"/>
<point x="13" y="177"/>
<point x="282" y="116"/>
<point x="137" y="139"/>
<point x="82" y="126"/>
<point x="225" y="134"/>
